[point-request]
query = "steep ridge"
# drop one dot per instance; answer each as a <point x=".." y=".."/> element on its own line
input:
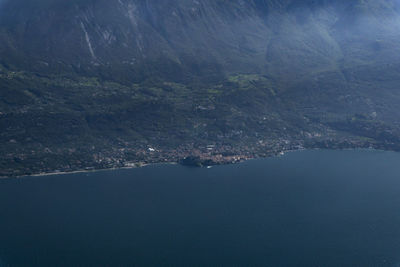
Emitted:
<point x="96" y="83"/>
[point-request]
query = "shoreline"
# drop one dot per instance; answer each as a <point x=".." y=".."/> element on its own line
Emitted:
<point x="142" y="165"/>
<point x="44" y="174"/>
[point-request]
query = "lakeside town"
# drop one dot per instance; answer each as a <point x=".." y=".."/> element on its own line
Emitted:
<point x="194" y="155"/>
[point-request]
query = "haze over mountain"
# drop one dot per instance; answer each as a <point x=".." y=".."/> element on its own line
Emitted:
<point x="96" y="83"/>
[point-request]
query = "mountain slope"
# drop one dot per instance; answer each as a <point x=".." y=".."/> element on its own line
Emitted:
<point x="100" y="84"/>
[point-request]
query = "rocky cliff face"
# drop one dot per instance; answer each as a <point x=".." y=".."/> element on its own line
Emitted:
<point x="195" y="37"/>
<point x="128" y="35"/>
<point x="97" y="82"/>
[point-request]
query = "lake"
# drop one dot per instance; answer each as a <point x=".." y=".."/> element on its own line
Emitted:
<point x="307" y="208"/>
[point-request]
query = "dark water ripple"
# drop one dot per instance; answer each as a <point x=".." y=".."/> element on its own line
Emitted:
<point x="309" y="208"/>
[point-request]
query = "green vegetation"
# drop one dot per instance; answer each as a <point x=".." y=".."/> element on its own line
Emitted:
<point x="100" y="84"/>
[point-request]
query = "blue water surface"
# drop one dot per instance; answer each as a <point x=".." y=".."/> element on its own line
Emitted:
<point x="307" y="208"/>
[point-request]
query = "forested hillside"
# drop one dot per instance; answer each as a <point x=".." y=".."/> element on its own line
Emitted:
<point x="95" y="84"/>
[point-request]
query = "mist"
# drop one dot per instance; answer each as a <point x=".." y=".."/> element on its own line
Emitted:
<point x="259" y="35"/>
<point x="204" y="69"/>
<point x="288" y="41"/>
